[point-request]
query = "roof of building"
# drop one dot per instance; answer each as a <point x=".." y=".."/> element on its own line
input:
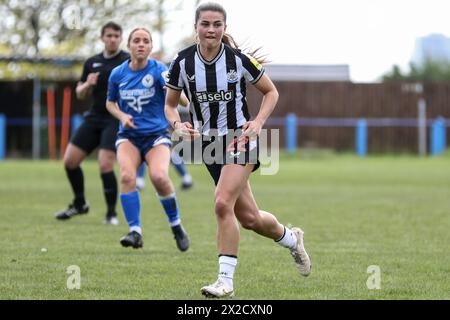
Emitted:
<point x="295" y="72"/>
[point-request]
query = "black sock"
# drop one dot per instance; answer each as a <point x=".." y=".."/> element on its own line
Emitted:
<point x="110" y="191"/>
<point x="76" y="180"/>
<point x="227" y="255"/>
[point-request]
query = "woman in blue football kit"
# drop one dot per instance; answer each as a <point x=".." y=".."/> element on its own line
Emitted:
<point x="136" y="93"/>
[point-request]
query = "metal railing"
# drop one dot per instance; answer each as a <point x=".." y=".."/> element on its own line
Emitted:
<point x="291" y="123"/>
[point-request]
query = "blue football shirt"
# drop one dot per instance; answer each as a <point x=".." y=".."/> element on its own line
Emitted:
<point x="140" y="93"/>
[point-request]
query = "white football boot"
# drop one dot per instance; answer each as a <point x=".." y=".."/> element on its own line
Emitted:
<point x="302" y="261"/>
<point x="217" y="290"/>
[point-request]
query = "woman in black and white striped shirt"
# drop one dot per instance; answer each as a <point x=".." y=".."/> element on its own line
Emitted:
<point x="213" y="75"/>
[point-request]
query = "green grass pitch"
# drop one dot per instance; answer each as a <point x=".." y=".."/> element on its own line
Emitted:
<point x="392" y="212"/>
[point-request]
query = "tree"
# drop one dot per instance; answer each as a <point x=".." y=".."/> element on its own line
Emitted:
<point x="36" y="27"/>
<point x="49" y="28"/>
<point x="427" y="72"/>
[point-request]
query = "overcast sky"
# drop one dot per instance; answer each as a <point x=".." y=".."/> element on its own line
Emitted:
<point x="368" y="35"/>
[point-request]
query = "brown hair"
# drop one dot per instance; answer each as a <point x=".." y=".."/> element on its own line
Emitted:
<point x="137" y="29"/>
<point x="111" y="25"/>
<point x="227" y="38"/>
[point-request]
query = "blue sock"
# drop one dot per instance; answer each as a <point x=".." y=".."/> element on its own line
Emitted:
<point x="131" y="207"/>
<point x="170" y="206"/>
<point x="178" y="163"/>
<point x="141" y="170"/>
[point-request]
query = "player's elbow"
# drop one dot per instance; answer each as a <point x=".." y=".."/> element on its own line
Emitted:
<point x="184" y="101"/>
<point x="274" y="94"/>
<point x="81" y="95"/>
<point x="110" y="107"/>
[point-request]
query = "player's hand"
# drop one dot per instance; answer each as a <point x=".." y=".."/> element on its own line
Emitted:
<point x="251" y="129"/>
<point x="92" y="78"/>
<point x="185" y="130"/>
<point x="127" y="121"/>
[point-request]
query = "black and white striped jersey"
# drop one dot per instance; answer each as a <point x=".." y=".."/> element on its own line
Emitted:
<point x="216" y="89"/>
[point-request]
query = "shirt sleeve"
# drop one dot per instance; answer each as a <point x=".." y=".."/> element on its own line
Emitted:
<point x="164" y="75"/>
<point x="175" y="81"/>
<point x="85" y="73"/>
<point x="253" y="70"/>
<point x="113" y="87"/>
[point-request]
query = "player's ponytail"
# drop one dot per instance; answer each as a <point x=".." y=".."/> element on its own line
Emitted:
<point x="227" y="38"/>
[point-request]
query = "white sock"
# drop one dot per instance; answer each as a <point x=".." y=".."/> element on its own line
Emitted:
<point x="226" y="269"/>
<point x="175" y="223"/>
<point x="137" y="229"/>
<point x="187" y="178"/>
<point x="140" y="182"/>
<point x="288" y="240"/>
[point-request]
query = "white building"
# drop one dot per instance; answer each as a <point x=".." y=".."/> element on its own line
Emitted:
<point x="292" y="72"/>
<point x="435" y="47"/>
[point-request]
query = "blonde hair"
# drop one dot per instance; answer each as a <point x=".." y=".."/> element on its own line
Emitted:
<point x="137" y="29"/>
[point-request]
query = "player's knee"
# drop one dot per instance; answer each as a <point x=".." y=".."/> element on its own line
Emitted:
<point x="159" y="179"/>
<point x="106" y="161"/>
<point x="127" y="179"/>
<point x="71" y="163"/>
<point x="106" y="166"/>
<point x="222" y="206"/>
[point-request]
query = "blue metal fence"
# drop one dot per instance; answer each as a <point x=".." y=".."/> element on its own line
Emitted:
<point x="291" y="123"/>
<point x="438" y="137"/>
<point x="291" y="133"/>
<point x="76" y="121"/>
<point x="2" y="136"/>
<point x="361" y="138"/>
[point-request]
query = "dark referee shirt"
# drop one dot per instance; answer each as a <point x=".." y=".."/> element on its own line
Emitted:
<point x="216" y="89"/>
<point x="104" y="66"/>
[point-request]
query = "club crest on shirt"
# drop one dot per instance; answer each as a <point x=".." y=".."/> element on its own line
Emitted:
<point x="165" y="75"/>
<point x="232" y="76"/>
<point x="147" y="81"/>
